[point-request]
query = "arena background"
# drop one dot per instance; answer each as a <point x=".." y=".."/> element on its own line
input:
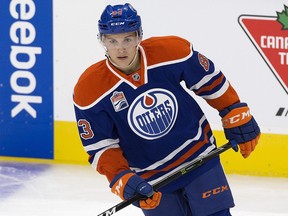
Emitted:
<point x="45" y="46"/>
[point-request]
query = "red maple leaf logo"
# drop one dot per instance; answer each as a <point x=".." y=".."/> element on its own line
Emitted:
<point x="271" y="40"/>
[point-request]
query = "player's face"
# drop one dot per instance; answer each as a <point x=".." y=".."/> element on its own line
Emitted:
<point x="121" y="47"/>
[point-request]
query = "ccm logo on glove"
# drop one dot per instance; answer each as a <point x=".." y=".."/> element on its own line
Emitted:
<point x="126" y="184"/>
<point x="118" y="187"/>
<point x="240" y="125"/>
<point x="236" y="117"/>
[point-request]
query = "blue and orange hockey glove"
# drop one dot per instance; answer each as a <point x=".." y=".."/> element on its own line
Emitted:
<point x="240" y="125"/>
<point x="126" y="184"/>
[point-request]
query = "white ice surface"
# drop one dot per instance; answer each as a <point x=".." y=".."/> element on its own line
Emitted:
<point x="76" y="190"/>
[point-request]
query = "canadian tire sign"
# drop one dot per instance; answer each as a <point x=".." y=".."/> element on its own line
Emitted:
<point x="270" y="37"/>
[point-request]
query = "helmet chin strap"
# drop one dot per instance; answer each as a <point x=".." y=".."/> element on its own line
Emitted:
<point x="123" y="67"/>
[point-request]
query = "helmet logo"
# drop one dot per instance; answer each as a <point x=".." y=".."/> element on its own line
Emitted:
<point x="116" y="13"/>
<point x="117" y="23"/>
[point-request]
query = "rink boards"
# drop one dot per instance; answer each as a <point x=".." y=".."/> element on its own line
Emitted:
<point x="269" y="158"/>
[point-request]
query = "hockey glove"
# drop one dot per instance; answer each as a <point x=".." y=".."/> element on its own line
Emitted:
<point x="126" y="184"/>
<point x="239" y="125"/>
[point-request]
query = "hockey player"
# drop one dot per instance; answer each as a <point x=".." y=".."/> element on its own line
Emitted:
<point x="138" y="124"/>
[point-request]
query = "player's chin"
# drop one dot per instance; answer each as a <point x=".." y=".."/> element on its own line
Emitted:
<point x="123" y="63"/>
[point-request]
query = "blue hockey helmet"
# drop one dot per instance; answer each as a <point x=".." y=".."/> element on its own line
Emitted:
<point x="119" y="19"/>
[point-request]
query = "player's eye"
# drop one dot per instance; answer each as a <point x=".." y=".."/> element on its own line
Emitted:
<point x="127" y="40"/>
<point x="112" y="41"/>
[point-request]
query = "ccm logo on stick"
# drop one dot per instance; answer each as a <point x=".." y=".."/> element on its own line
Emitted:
<point x="23" y="57"/>
<point x="109" y="212"/>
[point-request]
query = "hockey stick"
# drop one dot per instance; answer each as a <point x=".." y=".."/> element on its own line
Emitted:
<point x="173" y="176"/>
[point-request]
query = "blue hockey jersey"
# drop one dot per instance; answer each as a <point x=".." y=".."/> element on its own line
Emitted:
<point x="146" y="121"/>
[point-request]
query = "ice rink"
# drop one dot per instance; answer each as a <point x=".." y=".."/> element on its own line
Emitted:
<point x="45" y="189"/>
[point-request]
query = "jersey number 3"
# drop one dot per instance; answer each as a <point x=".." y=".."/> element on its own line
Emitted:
<point x="86" y="127"/>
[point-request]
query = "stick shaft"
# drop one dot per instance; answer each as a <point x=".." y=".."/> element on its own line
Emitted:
<point x="172" y="177"/>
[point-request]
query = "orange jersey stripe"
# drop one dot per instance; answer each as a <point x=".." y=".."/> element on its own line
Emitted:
<point x="209" y="87"/>
<point x="228" y="98"/>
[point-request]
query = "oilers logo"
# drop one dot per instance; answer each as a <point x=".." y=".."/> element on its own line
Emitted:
<point x="153" y="113"/>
